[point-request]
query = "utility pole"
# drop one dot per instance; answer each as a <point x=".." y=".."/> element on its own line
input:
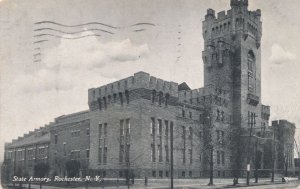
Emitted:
<point x="252" y="122"/>
<point x="273" y="156"/>
<point x="256" y="162"/>
<point x="172" y="160"/>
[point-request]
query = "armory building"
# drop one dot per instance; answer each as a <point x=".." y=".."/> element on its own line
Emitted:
<point x="129" y="124"/>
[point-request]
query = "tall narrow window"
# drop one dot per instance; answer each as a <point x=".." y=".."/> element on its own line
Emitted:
<point x="191" y="156"/>
<point x="127" y="152"/>
<point x="100" y="131"/>
<point x="223" y="157"/>
<point x="159" y="130"/>
<point x="160" y="98"/>
<point x="105" y="155"/>
<point x="121" y="156"/>
<point x="152" y="126"/>
<point x="152" y="153"/>
<point x="153" y="96"/>
<point x="104" y="102"/>
<point x="100" y="155"/>
<point x="251" y="72"/>
<point x="99" y="103"/>
<point x="115" y="98"/>
<point x="167" y="99"/>
<point x="127" y="126"/>
<point x="105" y="129"/>
<point x="55" y="139"/>
<point x="121" y="98"/>
<point x="167" y="153"/>
<point x="121" y="127"/>
<point x="218" y="157"/>
<point x="127" y="96"/>
<point x="159" y="153"/>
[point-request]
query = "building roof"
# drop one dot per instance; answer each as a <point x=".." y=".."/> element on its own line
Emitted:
<point x="34" y="138"/>
<point x="183" y="87"/>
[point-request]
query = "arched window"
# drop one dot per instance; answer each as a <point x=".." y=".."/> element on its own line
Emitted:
<point x="251" y="72"/>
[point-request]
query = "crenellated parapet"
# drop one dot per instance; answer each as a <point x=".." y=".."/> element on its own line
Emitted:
<point x="238" y="20"/>
<point x="120" y="91"/>
<point x="200" y="96"/>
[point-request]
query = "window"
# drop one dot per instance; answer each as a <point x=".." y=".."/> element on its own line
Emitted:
<point x="127" y="151"/>
<point x="218" y="157"/>
<point x="87" y="153"/>
<point x="152" y="126"/>
<point x="183" y="113"/>
<point x="105" y="155"/>
<point x="122" y="127"/>
<point x="160" y="173"/>
<point x="183" y="174"/>
<point x="153" y="173"/>
<point x="223" y="157"/>
<point x="251" y="73"/>
<point x="127" y="126"/>
<point x="55" y="139"/>
<point x="159" y="153"/>
<point x="167" y="99"/>
<point x="104" y="102"/>
<point x="100" y="131"/>
<point x="100" y="155"/>
<point x="121" y="98"/>
<point x="218" y="114"/>
<point x="152" y="153"/>
<point x="88" y="131"/>
<point x="160" y="98"/>
<point x="167" y="129"/>
<point x="115" y="97"/>
<point x="159" y="131"/>
<point x="191" y="156"/>
<point x="183" y="156"/>
<point x="191" y="115"/>
<point x="99" y="103"/>
<point x="167" y="173"/>
<point x="121" y="155"/>
<point x="222" y="116"/>
<point x="167" y="153"/>
<point x="190" y="174"/>
<point x="153" y="96"/>
<point x="75" y="133"/>
<point x="109" y="99"/>
<point x="64" y="150"/>
<point x="105" y="129"/>
<point x="127" y="96"/>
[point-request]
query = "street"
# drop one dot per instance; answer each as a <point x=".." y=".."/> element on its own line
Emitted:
<point x="190" y="184"/>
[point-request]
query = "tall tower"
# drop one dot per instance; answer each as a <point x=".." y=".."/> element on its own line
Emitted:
<point x="232" y="59"/>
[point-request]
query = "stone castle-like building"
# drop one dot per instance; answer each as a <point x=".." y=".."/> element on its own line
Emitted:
<point x="129" y="122"/>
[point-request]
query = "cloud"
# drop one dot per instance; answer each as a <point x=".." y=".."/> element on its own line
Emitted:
<point x="280" y="56"/>
<point x="74" y="62"/>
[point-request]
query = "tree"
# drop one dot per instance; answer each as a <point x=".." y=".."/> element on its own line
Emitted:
<point x="73" y="167"/>
<point x="41" y="169"/>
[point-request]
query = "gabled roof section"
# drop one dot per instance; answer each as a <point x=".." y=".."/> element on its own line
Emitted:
<point x="183" y="87"/>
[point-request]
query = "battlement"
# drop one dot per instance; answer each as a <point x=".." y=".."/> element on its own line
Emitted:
<point x="233" y="21"/>
<point x="72" y="117"/>
<point x="234" y="3"/>
<point x="195" y="96"/>
<point x="284" y="124"/>
<point x="139" y="80"/>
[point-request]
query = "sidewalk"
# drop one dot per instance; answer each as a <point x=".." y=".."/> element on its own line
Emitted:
<point x="179" y="184"/>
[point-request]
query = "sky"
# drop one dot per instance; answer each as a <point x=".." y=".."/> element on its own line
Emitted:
<point x="45" y="74"/>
